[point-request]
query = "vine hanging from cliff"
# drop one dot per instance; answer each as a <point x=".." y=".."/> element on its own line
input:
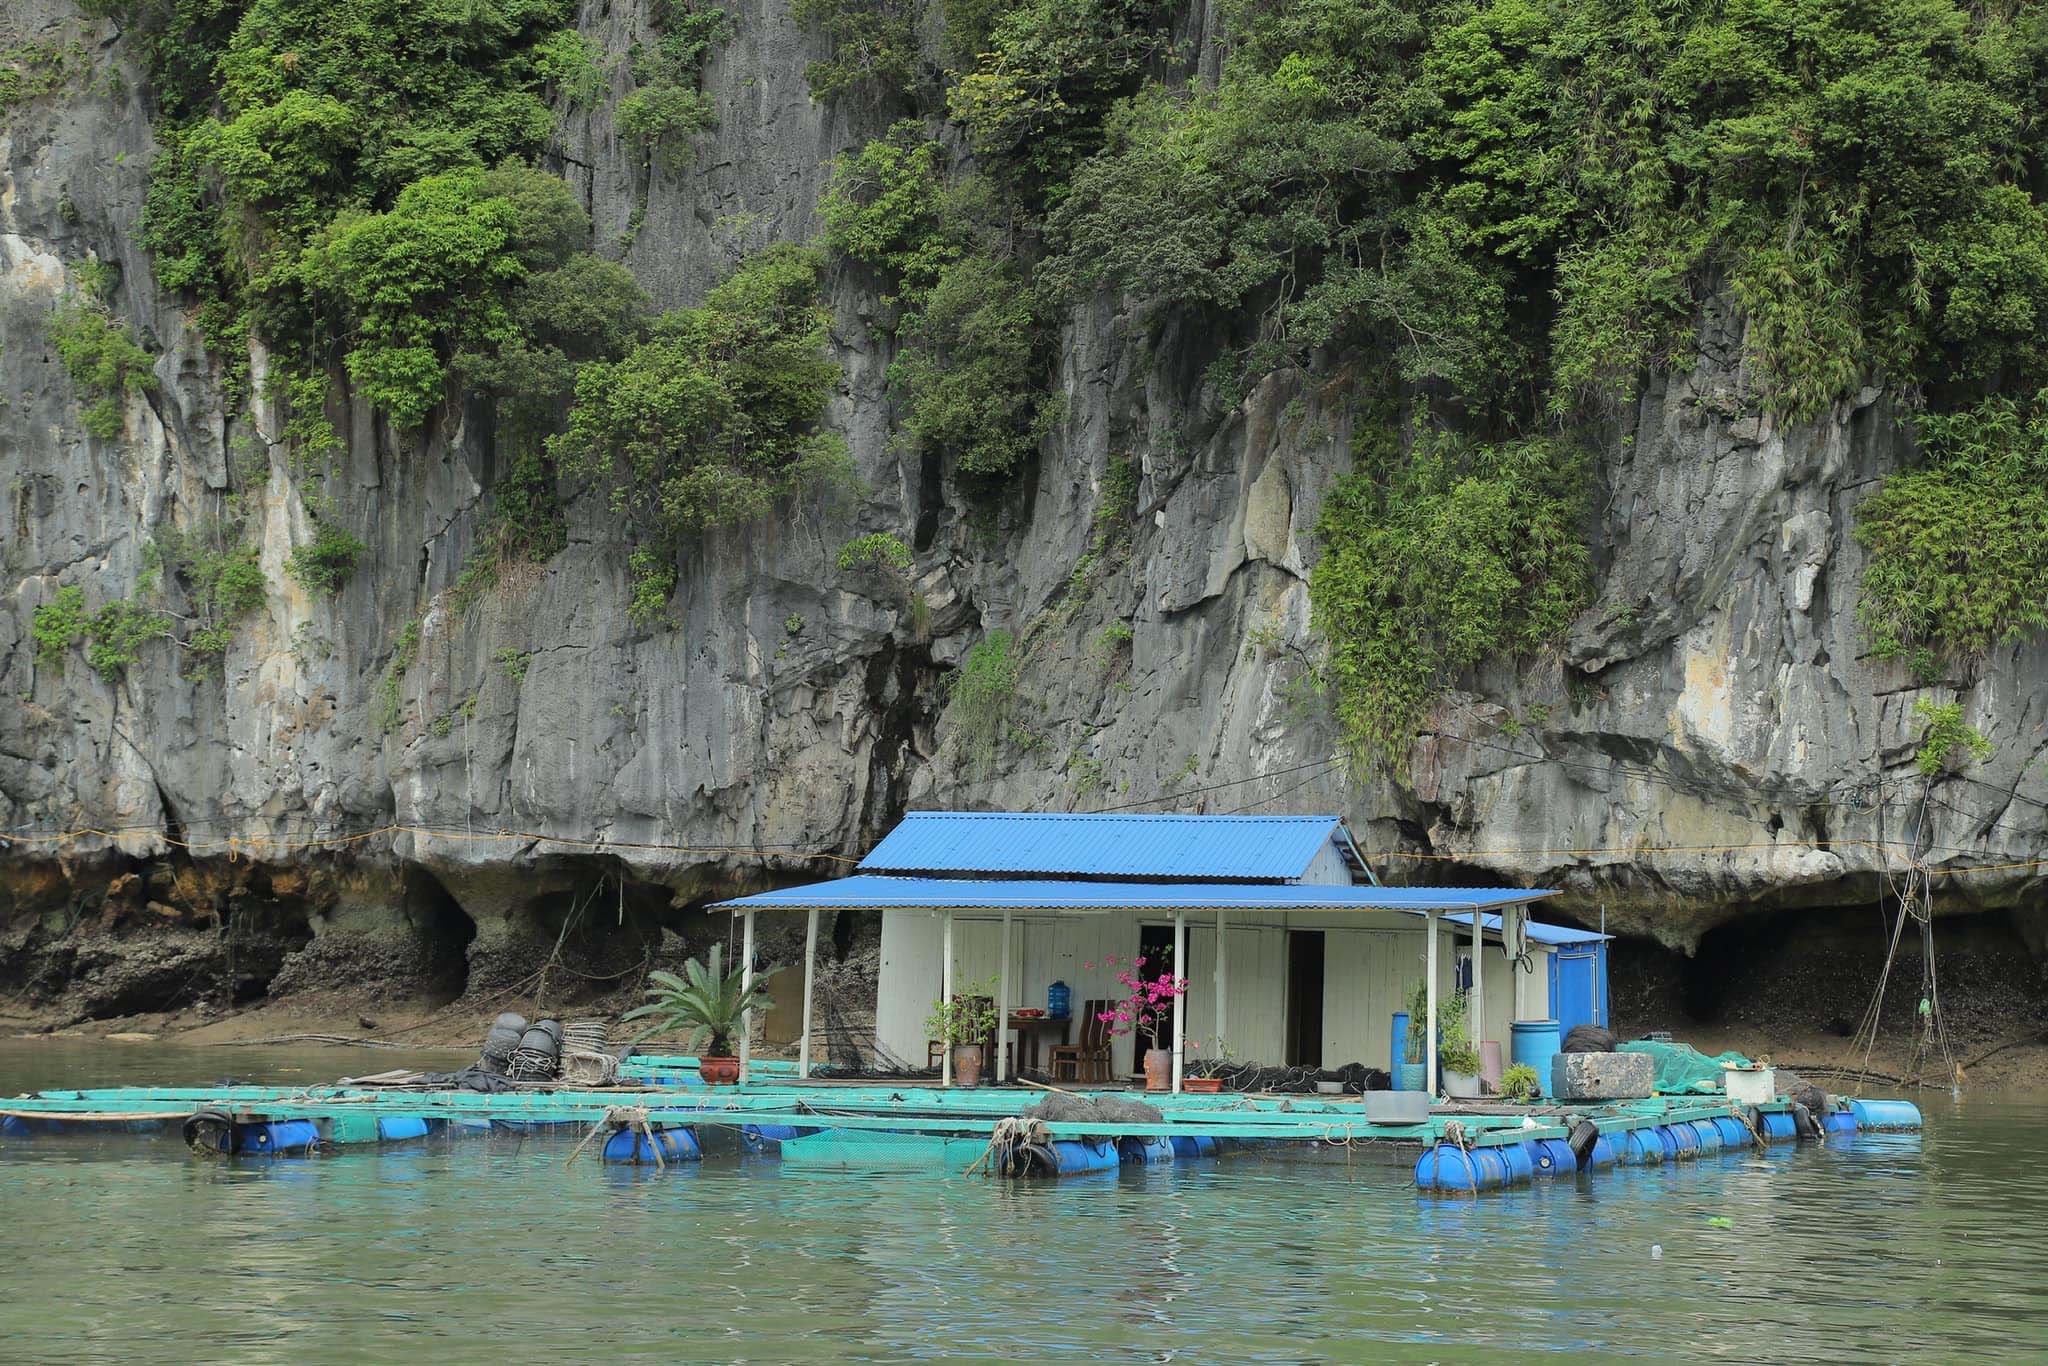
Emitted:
<point x="346" y="181"/>
<point x="1436" y="558"/>
<point x="715" y="415"/>
<point x="1959" y="548"/>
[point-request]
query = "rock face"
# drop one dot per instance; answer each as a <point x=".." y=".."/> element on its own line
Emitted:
<point x="1711" y="741"/>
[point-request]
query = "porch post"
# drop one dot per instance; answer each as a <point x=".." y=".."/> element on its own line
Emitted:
<point x="1476" y="1016"/>
<point x="746" y="994"/>
<point x="1429" y="1024"/>
<point x="946" y="996"/>
<point x="1180" y="955"/>
<point x="1222" y="983"/>
<point x="803" y="1060"/>
<point x="1003" y="1006"/>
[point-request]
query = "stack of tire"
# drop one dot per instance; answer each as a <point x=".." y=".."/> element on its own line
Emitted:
<point x="501" y="1041"/>
<point x="1588" y="1038"/>
<point x="539" y="1055"/>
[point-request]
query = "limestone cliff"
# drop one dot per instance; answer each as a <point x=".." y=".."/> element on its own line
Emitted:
<point x="1713" y="710"/>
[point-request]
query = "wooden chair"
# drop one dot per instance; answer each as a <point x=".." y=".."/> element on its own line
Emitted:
<point x="1087" y="1060"/>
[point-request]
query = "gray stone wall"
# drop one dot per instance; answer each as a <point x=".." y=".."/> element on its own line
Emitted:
<point x="1715" y="700"/>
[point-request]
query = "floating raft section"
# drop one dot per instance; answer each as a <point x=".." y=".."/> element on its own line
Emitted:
<point x="660" y="1114"/>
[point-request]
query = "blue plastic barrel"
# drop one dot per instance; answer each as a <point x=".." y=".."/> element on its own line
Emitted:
<point x="1447" y="1167"/>
<point x="1885" y="1114"/>
<point x="1145" y="1152"/>
<point x="1185" y="1148"/>
<point x="13" y="1126"/>
<point x="398" y="1128"/>
<point x="1686" y="1143"/>
<point x="1839" y="1122"/>
<point x="277" y="1137"/>
<point x="1074" y="1157"/>
<point x="1604" y="1154"/>
<point x="1521" y="1160"/>
<point x="1779" y="1127"/>
<point x="1641" y="1148"/>
<point x="769" y="1138"/>
<point x="630" y="1148"/>
<point x="1709" y="1137"/>
<point x="1734" y="1133"/>
<point x="1398" y="1054"/>
<point x="1059" y="1001"/>
<point x="1553" y="1157"/>
<point x="1533" y="1043"/>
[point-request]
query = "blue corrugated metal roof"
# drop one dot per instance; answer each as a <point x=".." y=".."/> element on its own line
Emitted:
<point x="1037" y="844"/>
<point x="1542" y="934"/>
<point x="869" y="892"/>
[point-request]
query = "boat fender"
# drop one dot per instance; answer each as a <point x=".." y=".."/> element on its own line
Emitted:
<point x="1584" y="1135"/>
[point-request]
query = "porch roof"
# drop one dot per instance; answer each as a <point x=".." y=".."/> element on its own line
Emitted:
<point x="1541" y="933"/>
<point x="869" y="891"/>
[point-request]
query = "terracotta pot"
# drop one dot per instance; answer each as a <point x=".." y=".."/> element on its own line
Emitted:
<point x="1202" y="1086"/>
<point x="1158" y="1069"/>
<point x="719" y="1071"/>
<point x="967" y="1064"/>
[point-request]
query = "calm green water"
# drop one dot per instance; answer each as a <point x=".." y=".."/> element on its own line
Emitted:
<point x="1886" y="1248"/>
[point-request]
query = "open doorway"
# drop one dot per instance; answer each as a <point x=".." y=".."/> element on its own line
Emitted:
<point x="1155" y="946"/>
<point x="1304" y="998"/>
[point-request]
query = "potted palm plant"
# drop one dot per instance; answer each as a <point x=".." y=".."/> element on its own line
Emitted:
<point x="708" y="1001"/>
<point x="961" y="1024"/>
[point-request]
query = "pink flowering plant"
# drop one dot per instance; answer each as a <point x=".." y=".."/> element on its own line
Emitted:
<point x="1146" y="1003"/>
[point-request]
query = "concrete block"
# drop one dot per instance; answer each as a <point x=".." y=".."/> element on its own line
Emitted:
<point x="1396" y="1107"/>
<point x="1602" y="1076"/>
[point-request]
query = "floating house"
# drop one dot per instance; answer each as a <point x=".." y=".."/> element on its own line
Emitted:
<point x="1294" y="952"/>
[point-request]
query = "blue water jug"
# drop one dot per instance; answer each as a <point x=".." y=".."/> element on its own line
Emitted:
<point x="1059" y="1001"/>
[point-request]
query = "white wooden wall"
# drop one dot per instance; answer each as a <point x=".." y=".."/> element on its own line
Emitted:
<point x="1368" y="969"/>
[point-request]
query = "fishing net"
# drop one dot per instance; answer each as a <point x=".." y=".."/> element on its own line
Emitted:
<point x="1355" y="1077"/>
<point x="861" y="1150"/>
<point x="1681" y="1068"/>
<point x="1108" y="1111"/>
<point x="1684" y="1070"/>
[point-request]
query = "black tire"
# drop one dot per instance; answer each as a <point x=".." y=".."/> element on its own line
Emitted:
<point x="1585" y="1136"/>
<point x="209" y="1131"/>
<point x="1804" y="1125"/>
<point x="1588" y="1038"/>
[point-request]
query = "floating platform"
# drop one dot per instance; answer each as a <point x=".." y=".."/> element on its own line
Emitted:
<point x="661" y="1114"/>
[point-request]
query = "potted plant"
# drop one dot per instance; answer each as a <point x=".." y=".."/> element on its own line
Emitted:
<point x="1205" y="1077"/>
<point x="710" y="1003"/>
<point x="1520" y="1084"/>
<point x="1457" y="1060"/>
<point x="1144" y="1011"/>
<point x="962" y="1023"/>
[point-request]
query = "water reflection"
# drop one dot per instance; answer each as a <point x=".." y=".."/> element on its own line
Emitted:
<point x="1884" y="1247"/>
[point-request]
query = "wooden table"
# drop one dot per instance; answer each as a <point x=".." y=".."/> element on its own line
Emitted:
<point x="1029" y="1028"/>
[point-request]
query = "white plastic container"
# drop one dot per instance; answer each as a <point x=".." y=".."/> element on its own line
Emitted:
<point x="1751" y="1085"/>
